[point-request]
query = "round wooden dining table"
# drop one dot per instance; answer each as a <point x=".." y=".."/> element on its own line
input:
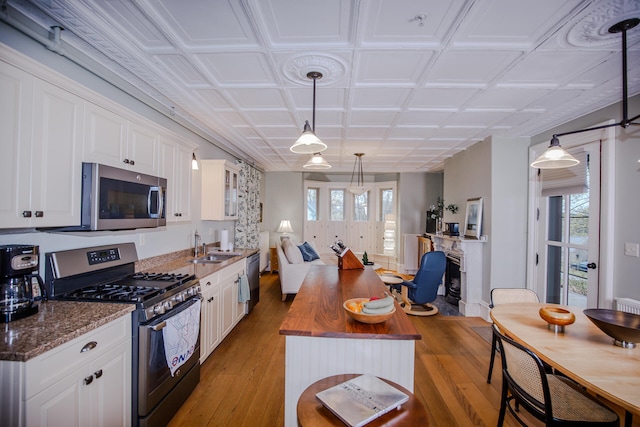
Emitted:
<point x="582" y="352"/>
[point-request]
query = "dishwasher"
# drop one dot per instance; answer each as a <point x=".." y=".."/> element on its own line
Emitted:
<point x="253" y="274"/>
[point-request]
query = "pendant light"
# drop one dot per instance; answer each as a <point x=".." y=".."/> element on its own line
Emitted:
<point x="309" y="143"/>
<point x="359" y="189"/>
<point x="555" y="157"/>
<point x="317" y="162"/>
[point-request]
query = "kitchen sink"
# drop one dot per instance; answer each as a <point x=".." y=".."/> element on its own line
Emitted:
<point x="214" y="258"/>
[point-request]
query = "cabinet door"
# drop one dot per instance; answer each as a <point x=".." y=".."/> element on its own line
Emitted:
<point x="142" y="150"/>
<point x="210" y="329"/>
<point x="16" y="103"/>
<point x="56" y="174"/>
<point x="105" y="139"/>
<point x="182" y="177"/>
<point x="64" y="404"/>
<point x="230" y="193"/>
<point x="229" y="279"/>
<point x="110" y="389"/>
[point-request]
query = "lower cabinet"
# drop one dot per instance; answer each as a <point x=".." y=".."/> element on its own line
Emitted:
<point x="85" y="382"/>
<point x="210" y="330"/>
<point x="221" y="310"/>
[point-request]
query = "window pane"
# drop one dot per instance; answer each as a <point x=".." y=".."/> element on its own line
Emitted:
<point x="337" y="205"/>
<point x="579" y="219"/>
<point x="312" y="204"/>
<point x="386" y="203"/>
<point x="361" y="207"/>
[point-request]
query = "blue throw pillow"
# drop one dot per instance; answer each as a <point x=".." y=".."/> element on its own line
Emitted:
<point x="308" y="253"/>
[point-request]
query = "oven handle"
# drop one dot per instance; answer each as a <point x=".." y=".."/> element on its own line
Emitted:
<point x="158" y="327"/>
<point x="163" y="322"/>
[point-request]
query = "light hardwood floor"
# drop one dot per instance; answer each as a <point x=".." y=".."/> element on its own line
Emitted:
<point x="242" y="382"/>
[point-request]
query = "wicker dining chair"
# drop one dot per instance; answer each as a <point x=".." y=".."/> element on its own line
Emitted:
<point x="553" y="399"/>
<point x="504" y="296"/>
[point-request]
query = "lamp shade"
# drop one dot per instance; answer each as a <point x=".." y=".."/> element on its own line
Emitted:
<point x="317" y="162"/>
<point x="285" y="226"/>
<point x="555" y="157"/>
<point x="308" y="143"/>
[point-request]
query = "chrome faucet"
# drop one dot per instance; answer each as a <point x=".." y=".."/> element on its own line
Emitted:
<point x="196" y="245"/>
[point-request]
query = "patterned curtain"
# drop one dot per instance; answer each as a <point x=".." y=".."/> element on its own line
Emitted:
<point x="247" y="231"/>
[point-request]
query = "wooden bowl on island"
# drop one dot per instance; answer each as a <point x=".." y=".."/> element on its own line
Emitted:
<point x="364" y="317"/>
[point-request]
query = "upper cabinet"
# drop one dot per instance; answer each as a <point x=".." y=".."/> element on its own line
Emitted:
<point x="40" y="167"/>
<point x="112" y="140"/>
<point x="175" y="165"/>
<point x="219" y="190"/>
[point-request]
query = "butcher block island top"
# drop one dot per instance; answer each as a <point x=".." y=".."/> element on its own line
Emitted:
<point x="317" y="308"/>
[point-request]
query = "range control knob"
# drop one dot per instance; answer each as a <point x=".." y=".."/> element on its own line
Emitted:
<point x="178" y="297"/>
<point x="167" y="305"/>
<point x="158" y="309"/>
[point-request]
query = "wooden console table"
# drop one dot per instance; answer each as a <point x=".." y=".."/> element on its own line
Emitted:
<point x="424" y="245"/>
<point x="322" y="340"/>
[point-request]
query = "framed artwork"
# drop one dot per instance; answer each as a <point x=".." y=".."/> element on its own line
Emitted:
<point x="473" y="218"/>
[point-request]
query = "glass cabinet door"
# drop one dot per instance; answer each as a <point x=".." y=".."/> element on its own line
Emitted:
<point x="230" y="193"/>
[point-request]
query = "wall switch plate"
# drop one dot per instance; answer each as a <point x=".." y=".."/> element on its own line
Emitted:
<point x="141" y="239"/>
<point x="632" y="249"/>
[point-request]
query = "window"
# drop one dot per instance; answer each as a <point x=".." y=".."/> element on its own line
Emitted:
<point x="386" y="203"/>
<point x="361" y="207"/>
<point x="337" y="205"/>
<point x="312" y="204"/>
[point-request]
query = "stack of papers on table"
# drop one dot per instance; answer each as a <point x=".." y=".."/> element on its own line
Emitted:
<point x="361" y="399"/>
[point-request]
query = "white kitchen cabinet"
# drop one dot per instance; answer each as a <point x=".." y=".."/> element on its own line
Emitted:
<point x="112" y="140"/>
<point x="41" y="145"/>
<point x="232" y="310"/>
<point x="175" y="165"/>
<point x="69" y="387"/>
<point x="219" y="189"/>
<point x="210" y="329"/>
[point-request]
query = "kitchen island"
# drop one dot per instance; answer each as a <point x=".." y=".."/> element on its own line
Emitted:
<point x="322" y="340"/>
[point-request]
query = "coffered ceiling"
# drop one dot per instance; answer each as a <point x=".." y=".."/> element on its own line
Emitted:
<point x="407" y="82"/>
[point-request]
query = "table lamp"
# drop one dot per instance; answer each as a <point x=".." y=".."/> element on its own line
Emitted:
<point x="285" y="228"/>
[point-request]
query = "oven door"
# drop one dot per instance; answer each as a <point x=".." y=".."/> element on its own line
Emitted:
<point x="155" y="381"/>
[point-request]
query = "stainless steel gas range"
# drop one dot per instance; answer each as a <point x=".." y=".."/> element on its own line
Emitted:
<point x="107" y="273"/>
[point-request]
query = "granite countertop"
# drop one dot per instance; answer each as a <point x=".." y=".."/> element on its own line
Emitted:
<point x="56" y="323"/>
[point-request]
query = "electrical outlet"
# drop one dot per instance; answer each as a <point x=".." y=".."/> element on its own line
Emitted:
<point x="141" y="239"/>
<point x="632" y="249"/>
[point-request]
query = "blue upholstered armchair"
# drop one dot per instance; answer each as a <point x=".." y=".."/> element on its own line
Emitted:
<point x="423" y="289"/>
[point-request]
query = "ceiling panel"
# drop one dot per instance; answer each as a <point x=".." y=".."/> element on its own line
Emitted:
<point x="407" y="82"/>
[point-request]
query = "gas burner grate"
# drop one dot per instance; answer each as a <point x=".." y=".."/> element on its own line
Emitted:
<point x="114" y="292"/>
<point x="164" y="277"/>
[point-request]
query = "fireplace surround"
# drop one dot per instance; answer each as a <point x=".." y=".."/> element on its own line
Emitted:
<point x="469" y="252"/>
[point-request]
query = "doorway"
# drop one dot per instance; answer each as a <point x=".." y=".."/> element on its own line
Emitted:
<point x="568" y="232"/>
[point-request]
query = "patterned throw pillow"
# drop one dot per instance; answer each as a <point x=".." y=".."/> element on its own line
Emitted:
<point x="308" y="252"/>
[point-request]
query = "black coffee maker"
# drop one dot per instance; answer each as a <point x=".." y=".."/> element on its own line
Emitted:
<point x="18" y="270"/>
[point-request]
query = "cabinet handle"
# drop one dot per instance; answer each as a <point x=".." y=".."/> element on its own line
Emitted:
<point x="131" y="162"/>
<point x="126" y="161"/>
<point x="89" y="346"/>
<point x="26" y="214"/>
<point x="39" y="214"/>
<point x="98" y="374"/>
<point x="88" y="380"/>
<point x="208" y="284"/>
<point x="211" y="299"/>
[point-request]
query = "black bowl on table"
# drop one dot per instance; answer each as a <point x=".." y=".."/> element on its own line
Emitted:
<point x="623" y="327"/>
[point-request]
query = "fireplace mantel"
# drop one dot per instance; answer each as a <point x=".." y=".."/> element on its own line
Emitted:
<point x="471" y="269"/>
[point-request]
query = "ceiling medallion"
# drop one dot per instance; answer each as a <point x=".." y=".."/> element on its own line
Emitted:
<point x="331" y="67"/>
<point x="592" y="30"/>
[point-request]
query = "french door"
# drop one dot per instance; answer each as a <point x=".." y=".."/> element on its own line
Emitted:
<point x="568" y="231"/>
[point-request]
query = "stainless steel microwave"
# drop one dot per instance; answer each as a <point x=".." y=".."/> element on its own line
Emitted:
<point x="119" y="199"/>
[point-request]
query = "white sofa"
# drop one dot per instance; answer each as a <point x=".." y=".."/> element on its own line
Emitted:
<point x="292" y="274"/>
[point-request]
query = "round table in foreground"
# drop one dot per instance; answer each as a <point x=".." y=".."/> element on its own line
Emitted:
<point x="311" y="413"/>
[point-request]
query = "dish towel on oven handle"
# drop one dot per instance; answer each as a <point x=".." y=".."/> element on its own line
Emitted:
<point x="243" y="289"/>
<point x="180" y="336"/>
